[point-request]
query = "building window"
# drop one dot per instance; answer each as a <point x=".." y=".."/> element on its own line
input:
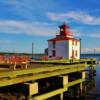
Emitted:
<point x="53" y="53"/>
<point x="54" y="44"/>
<point x="72" y="42"/>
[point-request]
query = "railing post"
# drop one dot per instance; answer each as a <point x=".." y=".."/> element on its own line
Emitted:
<point x="61" y="96"/>
<point x="81" y="88"/>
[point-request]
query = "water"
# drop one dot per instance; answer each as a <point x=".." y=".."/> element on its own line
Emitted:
<point x="97" y="80"/>
<point x="96" y="87"/>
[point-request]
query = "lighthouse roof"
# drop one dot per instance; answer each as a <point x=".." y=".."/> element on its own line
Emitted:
<point x="63" y="38"/>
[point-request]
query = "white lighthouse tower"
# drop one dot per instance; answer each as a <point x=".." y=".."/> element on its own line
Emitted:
<point x="64" y="45"/>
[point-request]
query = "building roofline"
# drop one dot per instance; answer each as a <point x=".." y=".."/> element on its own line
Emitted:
<point x="63" y="38"/>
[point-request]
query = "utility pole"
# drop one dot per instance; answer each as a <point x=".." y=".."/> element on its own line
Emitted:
<point x="32" y="49"/>
<point x="94" y="52"/>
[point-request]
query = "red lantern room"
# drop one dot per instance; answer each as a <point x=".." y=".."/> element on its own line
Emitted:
<point x="64" y="31"/>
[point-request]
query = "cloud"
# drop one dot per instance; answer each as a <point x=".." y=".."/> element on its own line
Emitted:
<point x="30" y="10"/>
<point x="91" y="49"/>
<point x="72" y="16"/>
<point x="87" y="50"/>
<point x="25" y="9"/>
<point x="39" y="29"/>
<point x="24" y="27"/>
<point x="31" y="28"/>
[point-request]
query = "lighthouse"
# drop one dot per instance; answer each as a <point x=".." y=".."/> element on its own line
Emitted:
<point x="64" y="45"/>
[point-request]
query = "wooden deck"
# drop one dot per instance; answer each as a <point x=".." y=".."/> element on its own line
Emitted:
<point x="38" y="70"/>
<point x="10" y="77"/>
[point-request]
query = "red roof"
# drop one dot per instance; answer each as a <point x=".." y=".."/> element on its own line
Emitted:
<point x="63" y="38"/>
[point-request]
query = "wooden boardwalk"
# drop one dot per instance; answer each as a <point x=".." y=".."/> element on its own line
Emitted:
<point x="18" y="76"/>
<point x="40" y="70"/>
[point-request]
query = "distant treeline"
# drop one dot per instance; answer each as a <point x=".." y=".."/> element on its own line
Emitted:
<point x="91" y="54"/>
<point x="28" y="54"/>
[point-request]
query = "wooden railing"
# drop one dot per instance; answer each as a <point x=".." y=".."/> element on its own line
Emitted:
<point x="14" y="61"/>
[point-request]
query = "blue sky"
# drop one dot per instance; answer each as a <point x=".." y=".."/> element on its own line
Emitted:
<point x="25" y="21"/>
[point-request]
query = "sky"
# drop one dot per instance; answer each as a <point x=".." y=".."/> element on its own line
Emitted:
<point x="25" y="21"/>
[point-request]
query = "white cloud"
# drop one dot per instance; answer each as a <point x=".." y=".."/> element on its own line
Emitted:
<point x="31" y="28"/>
<point x="22" y="27"/>
<point x="41" y="29"/>
<point x="80" y="17"/>
<point x="87" y="50"/>
<point x="26" y="9"/>
<point x="30" y="10"/>
<point x="97" y="49"/>
<point x="91" y="49"/>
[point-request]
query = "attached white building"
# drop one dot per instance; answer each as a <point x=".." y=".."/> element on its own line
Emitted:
<point x="64" y="45"/>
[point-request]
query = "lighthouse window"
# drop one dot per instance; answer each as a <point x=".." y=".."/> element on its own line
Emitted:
<point x="53" y="53"/>
<point x="61" y="29"/>
<point x="54" y="44"/>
